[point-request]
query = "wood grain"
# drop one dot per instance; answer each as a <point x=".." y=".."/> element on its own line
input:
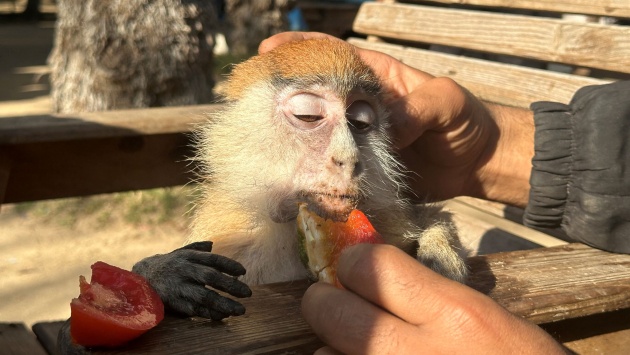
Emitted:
<point x="16" y="339"/>
<point x="551" y="284"/>
<point x="543" y="285"/>
<point x="120" y="123"/>
<point x="491" y="81"/>
<point x="613" y="8"/>
<point x="586" y="44"/>
<point x="81" y="167"/>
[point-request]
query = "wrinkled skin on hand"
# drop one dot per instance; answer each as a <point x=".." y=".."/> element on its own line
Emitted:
<point x="181" y="276"/>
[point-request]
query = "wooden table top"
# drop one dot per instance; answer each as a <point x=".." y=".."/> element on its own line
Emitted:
<point x="542" y="285"/>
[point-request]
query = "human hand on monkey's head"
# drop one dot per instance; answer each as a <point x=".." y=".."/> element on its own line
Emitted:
<point x="444" y="133"/>
<point x="180" y="278"/>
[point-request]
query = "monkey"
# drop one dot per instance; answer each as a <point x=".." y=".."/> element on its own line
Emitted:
<point x="303" y="123"/>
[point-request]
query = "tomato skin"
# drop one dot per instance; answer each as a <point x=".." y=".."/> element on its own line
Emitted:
<point x="322" y="241"/>
<point x="114" y="308"/>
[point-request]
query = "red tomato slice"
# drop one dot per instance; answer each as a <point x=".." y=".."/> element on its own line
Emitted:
<point x="114" y="308"/>
<point x="322" y="241"/>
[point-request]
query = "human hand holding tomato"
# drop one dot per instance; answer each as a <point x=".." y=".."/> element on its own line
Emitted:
<point x="392" y="304"/>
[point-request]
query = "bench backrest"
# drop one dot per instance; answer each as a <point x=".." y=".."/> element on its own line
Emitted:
<point x="512" y="52"/>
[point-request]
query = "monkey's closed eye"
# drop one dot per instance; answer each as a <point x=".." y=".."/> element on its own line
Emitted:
<point x="305" y="110"/>
<point x="308" y="118"/>
<point x="361" y="116"/>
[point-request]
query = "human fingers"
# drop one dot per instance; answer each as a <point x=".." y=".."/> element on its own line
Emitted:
<point x="389" y="278"/>
<point x="437" y="104"/>
<point x="397" y="78"/>
<point x="285" y="37"/>
<point x="446" y="316"/>
<point x="351" y="325"/>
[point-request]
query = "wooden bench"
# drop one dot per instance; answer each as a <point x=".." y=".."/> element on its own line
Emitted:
<point x="56" y="156"/>
<point x="524" y="282"/>
<point x="496" y="48"/>
<point x="15" y="338"/>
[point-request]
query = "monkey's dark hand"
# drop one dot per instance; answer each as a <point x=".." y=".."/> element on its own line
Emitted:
<point x="180" y="278"/>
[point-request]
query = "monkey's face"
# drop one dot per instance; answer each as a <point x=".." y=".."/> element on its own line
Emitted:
<point x="305" y="124"/>
<point x="330" y="131"/>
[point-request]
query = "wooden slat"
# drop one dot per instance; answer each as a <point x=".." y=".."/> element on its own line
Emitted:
<point x="543" y="285"/>
<point x="46" y="333"/>
<point x="517" y="229"/>
<point x="551" y="284"/>
<point x="57" y="156"/>
<point x="272" y="325"/>
<point x="496" y="82"/>
<point x="16" y="339"/>
<point x="480" y="236"/>
<point x="503" y="211"/>
<point x="591" y="45"/>
<point x="71" y="168"/>
<point x="612" y="8"/>
<point x="120" y="123"/>
<point x="607" y="333"/>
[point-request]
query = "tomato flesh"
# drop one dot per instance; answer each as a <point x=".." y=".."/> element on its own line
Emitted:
<point x="322" y="241"/>
<point x="114" y="308"/>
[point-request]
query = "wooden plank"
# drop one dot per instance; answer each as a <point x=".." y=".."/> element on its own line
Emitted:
<point x="480" y="236"/>
<point x="272" y="325"/>
<point x="46" y="333"/>
<point x="543" y="285"/>
<point x="607" y="332"/>
<point x="612" y="8"/>
<point x="334" y="18"/>
<point x="16" y="339"/>
<point x="534" y="236"/>
<point x="50" y="170"/>
<point x="503" y="211"/>
<point x="554" y="40"/>
<point x="490" y="81"/>
<point x="604" y="333"/>
<point x="551" y="284"/>
<point x="327" y="5"/>
<point x="120" y="123"/>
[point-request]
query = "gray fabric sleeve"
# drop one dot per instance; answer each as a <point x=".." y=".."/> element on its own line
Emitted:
<point x="580" y="177"/>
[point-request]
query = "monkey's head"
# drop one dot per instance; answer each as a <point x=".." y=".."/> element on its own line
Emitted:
<point x="305" y="123"/>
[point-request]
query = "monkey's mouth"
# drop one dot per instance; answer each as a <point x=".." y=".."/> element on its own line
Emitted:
<point x="330" y="206"/>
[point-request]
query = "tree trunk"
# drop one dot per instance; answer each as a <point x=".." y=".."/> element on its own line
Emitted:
<point x="251" y="21"/>
<point x="114" y="54"/>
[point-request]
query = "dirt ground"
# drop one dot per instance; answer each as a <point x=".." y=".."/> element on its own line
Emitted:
<point x="46" y="246"/>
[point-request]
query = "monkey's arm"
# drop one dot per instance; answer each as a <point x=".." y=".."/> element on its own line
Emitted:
<point x="180" y="278"/>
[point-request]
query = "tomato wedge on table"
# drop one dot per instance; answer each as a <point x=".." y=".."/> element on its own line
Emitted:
<point x="114" y="308"/>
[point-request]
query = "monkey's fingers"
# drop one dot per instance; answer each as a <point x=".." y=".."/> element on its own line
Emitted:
<point x="188" y="308"/>
<point x="201" y="246"/>
<point x="201" y="298"/>
<point x="209" y="276"/>
<point x="219" y="262"/>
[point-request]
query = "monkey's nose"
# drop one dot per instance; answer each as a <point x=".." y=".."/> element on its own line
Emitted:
<point x="338" y="162"/>
<point x="355" y="166"/>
